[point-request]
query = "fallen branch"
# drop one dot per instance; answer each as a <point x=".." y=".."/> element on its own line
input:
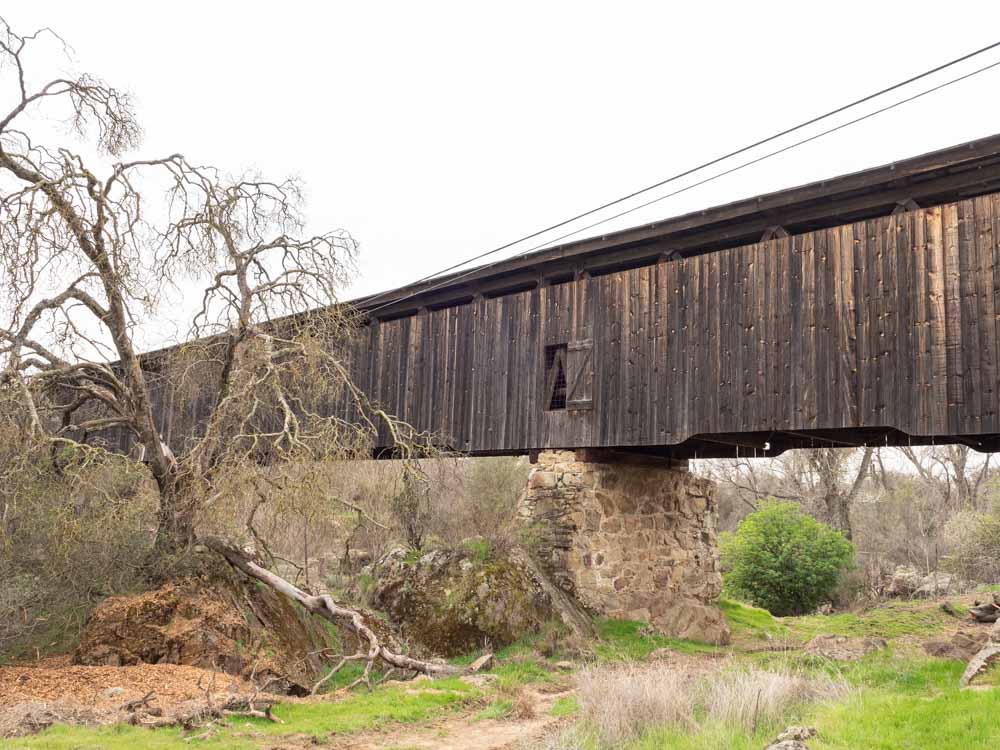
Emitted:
<point x="323" y="605"/>
<point x="143" y="703"/>
<point x="206" y="716"/>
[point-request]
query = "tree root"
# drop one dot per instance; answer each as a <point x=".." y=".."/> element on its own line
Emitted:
<point x="371" y="647"/>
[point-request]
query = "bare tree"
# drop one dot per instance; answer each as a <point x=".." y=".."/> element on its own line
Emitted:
<point x="952" y="473"/>
<point x="827" y="480"/>
<point x="88" y="253"/>
<point x="831" y="466"/>
<point x="91" y="247"/>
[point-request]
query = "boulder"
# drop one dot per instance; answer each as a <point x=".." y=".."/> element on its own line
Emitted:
<point x="907" y="582"/>
<point x="937" y="584"/>
<point x="797" y="733"/>
<point x="450" y="602"/>
<point x="793" y="738"/>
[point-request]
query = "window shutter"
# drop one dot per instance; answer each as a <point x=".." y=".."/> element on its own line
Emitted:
<point x="580" y="374"/>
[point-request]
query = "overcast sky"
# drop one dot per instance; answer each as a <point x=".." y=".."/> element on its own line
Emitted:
<point x="434" y="131"/>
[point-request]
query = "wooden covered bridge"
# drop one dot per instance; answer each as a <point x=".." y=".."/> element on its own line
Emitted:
<point x="863" y="309"/>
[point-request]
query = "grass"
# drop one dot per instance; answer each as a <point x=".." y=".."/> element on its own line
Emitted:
<point x="891" y="620"/>
<point x="514" y="674"/>
<point x="897" y="704"/>
<point x="750" y="622"/>
<point x="480" y="549"/>
<point x="347" y="674"/>
<point x="498" y="709"/>
<point x="568" y="705"/>
<point x="898" y="698"/>
<point x="883" y="720"/>
<point x="362" y="711"/>
<point x="623" y="640"/>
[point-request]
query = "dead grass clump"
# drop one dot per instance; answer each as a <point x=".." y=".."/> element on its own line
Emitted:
<point x="748" y="698"/>
<point x="524" y="706"/>
<point x="621" y="704"/>
<point x="565" y="738"/>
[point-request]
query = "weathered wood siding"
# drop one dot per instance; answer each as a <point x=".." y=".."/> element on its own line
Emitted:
<point x="886" y="323"/>
<point x="890" y="322"/>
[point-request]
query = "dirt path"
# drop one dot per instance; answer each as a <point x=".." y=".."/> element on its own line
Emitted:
<point x="466" y="733"/>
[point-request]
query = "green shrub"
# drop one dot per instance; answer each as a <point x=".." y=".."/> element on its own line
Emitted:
<point x="784" y="560"/>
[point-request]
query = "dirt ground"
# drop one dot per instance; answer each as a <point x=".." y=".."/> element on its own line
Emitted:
<point x="110" y="687"/>
<point x="464" y="733"/>
<point x="53" y="691"/>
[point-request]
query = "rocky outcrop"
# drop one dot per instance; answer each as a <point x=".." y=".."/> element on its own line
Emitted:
<point x="631" y="539"/>
<point x="451" y="602"/>
<point x="908" y="582"/>
<point x="223" y="624"/>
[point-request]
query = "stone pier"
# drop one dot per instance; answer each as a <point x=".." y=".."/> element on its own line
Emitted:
<point x="629" y="537"/>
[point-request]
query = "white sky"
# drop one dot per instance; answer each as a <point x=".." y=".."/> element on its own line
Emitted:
<point x="433" y="131"/>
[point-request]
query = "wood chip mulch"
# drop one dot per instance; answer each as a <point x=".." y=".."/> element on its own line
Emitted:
<point x="110" y="687"/>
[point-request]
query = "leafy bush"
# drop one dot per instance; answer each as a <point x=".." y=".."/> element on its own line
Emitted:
<point x="784" y="560"/>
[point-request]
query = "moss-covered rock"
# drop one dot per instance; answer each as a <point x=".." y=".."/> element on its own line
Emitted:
<point x="453" y="601"/>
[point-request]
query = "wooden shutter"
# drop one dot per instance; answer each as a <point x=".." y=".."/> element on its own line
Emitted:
<point x="580" y="374"/>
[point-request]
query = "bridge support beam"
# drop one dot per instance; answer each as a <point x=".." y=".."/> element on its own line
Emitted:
<point x="630" y="537"/>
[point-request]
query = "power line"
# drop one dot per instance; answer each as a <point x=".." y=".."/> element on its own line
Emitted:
<point x="703" y="166"/>
<point x="759" y="159"/>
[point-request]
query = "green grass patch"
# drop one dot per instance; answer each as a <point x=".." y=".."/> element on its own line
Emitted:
<point x="515" y="674"/>
<point x="480" y="549"/>
<point x="568" y="705"/>
<point x="880" y="720"/>
<point x="498" y="709"/>
<point x="397" y="704"/>
<point x="881" y="670"/>
<point x="745" y="620"/>
<point x="624" y="640"/>
<point x="890" y="620"/>
<point x="347" y="674"/>
<point x="713" y="736"/>
<point x="904" y="676"/>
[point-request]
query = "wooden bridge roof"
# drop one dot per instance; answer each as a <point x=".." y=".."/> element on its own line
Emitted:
<point x="951" y="174"/>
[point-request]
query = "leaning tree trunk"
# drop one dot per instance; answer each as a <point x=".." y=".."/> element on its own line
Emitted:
<point x="323" y="605"/>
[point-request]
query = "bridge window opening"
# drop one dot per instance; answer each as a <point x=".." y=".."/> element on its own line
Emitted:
<point x="555" y="377"/>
